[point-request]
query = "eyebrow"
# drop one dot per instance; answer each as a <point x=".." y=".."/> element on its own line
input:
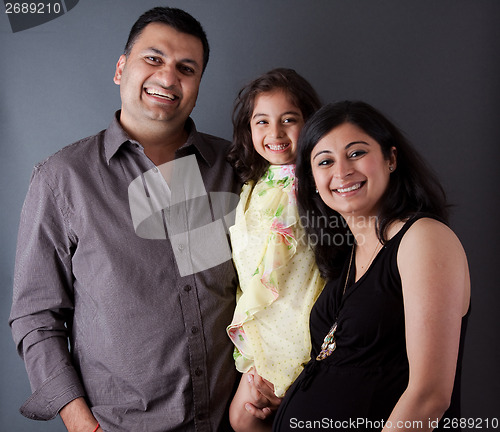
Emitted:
<point x="347" y="147"/>
<point x="161" y="53"/>
<point x="281" y="115"/>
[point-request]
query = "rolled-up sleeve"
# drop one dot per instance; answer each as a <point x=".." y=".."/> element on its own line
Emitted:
<point x="43" y="299"/>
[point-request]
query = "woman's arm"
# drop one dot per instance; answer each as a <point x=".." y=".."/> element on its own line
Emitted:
<point x="436" y="291"/>
<point x="253" y="404"/>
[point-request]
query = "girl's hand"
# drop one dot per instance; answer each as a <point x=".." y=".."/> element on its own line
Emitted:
<point x="263" y="400"/>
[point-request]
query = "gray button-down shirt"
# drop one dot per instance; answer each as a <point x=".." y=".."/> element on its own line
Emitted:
<point x="95" y="265"/>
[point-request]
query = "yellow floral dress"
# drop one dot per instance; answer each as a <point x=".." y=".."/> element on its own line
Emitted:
<point x="279" y="280"/>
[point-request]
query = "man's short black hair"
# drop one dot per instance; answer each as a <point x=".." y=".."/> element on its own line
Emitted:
<point x="175" y="18"/>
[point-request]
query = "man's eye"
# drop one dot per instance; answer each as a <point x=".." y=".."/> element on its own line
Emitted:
<point x="187" y="70"/>
<point x="153" y="59"/>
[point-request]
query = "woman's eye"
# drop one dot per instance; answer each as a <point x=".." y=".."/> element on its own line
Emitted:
<point x="325" y="162"/>
<point x="357" y="153"/>
<point x="261" y="122"/>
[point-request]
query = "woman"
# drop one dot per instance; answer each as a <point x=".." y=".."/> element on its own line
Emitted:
<point x="388" y="329"/>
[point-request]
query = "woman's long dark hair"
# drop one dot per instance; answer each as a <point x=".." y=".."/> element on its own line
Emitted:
<point x="248" y="164"/>
<point x="413" y="187"/>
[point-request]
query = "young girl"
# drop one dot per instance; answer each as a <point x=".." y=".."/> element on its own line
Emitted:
<point x="279" y="280"/>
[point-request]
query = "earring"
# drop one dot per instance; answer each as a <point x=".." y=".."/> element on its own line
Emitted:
<point x="391" y="168"/>
<point x="317" y="190"/>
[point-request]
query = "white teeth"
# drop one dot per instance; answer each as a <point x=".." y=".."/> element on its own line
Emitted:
<point x="277" y="147"/>
<point x="157" y="93"/>
<point x="349" y="189"/>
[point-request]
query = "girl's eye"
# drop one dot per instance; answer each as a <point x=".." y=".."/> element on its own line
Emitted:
<point x="289" y="120"/>
<point x="261" y="122"/>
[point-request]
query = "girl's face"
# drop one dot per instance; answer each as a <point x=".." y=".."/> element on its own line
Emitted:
<point x="275" y="125"/>
<point x="350" y="170"/>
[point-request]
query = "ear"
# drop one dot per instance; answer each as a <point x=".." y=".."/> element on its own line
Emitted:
<point x="119" y="69"/>
<point x="393" y="160"/>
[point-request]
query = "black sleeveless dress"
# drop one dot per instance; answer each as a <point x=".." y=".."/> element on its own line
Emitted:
<point x="358" y="385"/>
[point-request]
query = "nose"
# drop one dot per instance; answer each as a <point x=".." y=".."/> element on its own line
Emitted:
<point x="342" y="169"/>
<point x="167" y="76"/>
<point x="276" y="130"/>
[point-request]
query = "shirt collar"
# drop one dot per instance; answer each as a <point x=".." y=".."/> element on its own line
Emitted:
<point x="115" y="137"/>
<point x="197" y="141"/>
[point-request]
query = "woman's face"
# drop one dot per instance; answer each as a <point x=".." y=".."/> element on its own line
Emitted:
<point x="275" y="125"/>
<point x="350" y="171"/>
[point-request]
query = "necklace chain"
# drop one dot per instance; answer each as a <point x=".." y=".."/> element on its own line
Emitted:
<point x="373" y="255"/>
<point x="348" y="270"/>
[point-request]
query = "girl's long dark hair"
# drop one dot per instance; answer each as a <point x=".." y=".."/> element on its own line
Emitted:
<point x="248" y="164"/>
<point x="413" y="187"/>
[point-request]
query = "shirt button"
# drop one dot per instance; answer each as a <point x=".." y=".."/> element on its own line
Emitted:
<point x="194" y="329"/>
<point x="187" y="288"/>
<point x="180" y="247"/>
<point x="198" y="372"/>
<point x="155" y="169"/>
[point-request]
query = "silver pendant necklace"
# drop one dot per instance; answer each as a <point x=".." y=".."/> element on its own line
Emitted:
<point x="329" y="343"/>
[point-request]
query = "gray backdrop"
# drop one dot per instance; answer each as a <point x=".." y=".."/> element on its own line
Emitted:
<point x="432" y="65"/>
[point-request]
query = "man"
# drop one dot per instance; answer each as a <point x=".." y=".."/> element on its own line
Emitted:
<point x="111" y="265"/>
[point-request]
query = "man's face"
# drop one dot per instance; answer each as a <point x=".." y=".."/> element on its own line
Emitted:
<point x="160" y="78"/>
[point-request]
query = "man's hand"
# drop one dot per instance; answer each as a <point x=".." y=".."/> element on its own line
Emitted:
<point x="77" y="417"/>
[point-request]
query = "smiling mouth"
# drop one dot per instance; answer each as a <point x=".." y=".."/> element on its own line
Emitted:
<point x="350" y="188"/>
<point x="278" y="147"/>
<point x="157" y="93"/>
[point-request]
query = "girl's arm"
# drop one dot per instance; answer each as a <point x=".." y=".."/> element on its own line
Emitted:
<point x="436" y="291"/>
<point x="253" y="404"/>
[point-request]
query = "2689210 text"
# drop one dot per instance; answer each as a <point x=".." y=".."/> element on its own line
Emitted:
<point x="33" y="8"/>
